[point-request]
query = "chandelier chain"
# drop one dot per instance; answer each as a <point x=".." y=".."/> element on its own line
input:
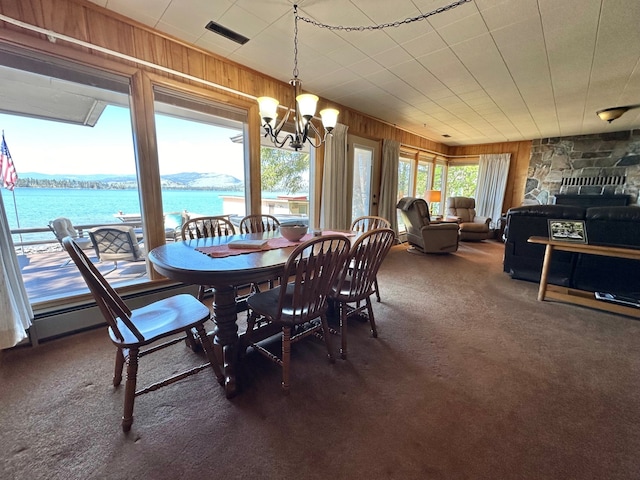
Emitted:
<point x="397" y="23"/>
<point x="295" y="42"/>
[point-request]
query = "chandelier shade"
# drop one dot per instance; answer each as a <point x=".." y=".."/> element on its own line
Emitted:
<point x="268" y="108"/>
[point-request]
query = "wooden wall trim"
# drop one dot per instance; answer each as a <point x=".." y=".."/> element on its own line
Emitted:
<point x="88" y="22"/>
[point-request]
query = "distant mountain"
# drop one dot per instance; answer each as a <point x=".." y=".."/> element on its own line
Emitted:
<point x="176" y="180"/>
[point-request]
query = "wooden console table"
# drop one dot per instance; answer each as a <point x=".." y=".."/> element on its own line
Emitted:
<point x="572" y="295"/>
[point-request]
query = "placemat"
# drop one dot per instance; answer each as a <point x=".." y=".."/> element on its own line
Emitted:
<point x="219" y="251"/>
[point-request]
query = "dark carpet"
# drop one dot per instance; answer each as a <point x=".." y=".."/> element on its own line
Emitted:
<point x="471" y="378"/>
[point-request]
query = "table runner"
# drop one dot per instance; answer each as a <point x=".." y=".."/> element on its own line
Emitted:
<point x="219" y="251"/>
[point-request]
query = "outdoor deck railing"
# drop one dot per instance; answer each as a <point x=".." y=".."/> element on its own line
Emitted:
<point x="20" y="233"/>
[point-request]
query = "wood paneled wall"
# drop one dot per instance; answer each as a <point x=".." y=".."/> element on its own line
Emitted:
<point x="518" y="168"/>
<point x="91" y="23"/>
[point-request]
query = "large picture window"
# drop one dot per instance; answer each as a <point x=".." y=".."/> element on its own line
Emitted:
<point x="201" y="159"/>
<point x="68" y="129"/>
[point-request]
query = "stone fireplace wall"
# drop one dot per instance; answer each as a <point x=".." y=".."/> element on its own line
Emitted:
<point x="607" y="163"/>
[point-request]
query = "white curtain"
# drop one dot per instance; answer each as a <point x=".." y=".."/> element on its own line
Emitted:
<point x="15" y="309"/>
<point x="389" y="182"/>
<point x="335" y="211"/>
<point x="492" y="181"/>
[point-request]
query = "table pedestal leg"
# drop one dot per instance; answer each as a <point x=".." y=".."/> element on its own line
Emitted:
<point x="226" y="334"/>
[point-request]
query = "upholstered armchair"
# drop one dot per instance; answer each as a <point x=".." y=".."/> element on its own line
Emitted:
<point x="472" y="226"/>
<point x="423" y="235"/>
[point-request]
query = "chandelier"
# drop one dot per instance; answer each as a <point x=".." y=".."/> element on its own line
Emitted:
<point x="305" y="104"/>
<point x="303" y="111"/>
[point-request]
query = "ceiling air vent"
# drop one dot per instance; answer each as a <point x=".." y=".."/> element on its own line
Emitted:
<point x="446" y="135"/>
<point x="225" y="32"/>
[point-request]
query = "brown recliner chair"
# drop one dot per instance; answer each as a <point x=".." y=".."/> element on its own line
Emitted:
<point x="472" y="226"/>
<point x="425" y="236"/>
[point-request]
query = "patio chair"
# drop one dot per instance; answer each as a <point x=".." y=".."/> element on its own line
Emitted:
<point x="313" y="267"/>
<point x="173" y="225"/>
<point x="116" y="243"/>
<point x="364" y="224"/>
<point x="357" y="283"/>
<point x="131" y="330"/>
<point x="62" y="227"/>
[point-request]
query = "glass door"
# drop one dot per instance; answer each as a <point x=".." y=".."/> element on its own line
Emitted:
<point x="364" y="159"/>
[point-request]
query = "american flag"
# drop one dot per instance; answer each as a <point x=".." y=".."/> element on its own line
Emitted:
<point x="7" y="168"/>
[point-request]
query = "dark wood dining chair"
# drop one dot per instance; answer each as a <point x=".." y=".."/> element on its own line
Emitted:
<point x="312" y="268"/>
<point x="364" y="224"/>
<point x="357" y="283"/>
<point x="132" y="329"/>
<point x="204" y="227"/>
<point x="259" y="223"/>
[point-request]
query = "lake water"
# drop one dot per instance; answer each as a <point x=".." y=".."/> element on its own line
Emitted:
<point x="37" y="206"/>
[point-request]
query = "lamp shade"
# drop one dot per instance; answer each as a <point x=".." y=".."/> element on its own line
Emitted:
<point x="307" y="103"/>
<point x="268" y="107"/>
<point x="329" y="118"/>
<point x="433" y="196"/>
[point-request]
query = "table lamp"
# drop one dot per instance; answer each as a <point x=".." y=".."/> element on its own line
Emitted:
<point x="433" y="196"/>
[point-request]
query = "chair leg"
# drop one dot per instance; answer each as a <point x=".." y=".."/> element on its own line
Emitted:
<point x="130" y="389"/>
<point x="374" y="331"/>
<point x="201" y="292"/>
<point x="377" y="290"/>
<point x="211" y="354"/>
<point x="342" y="309"/>
<point x="325" y="335"/>
<point x="191" y="341"/>
<point x="117" y="374"/>
<point x="286" y="357"/>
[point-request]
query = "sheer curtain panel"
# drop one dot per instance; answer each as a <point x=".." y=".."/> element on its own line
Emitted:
<point x="16" y="313"/>
<point x="335" y="210"/>
<point x="389" y="182"/>
<point x="493" y="170"/>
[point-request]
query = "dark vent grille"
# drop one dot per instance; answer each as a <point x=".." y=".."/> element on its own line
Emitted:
<point x="589" y="181"/>
<point x="225" y="32"/>
<point x="594" y="181"/>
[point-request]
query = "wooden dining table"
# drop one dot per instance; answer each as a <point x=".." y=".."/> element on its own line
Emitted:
<point x="209" y="261"/>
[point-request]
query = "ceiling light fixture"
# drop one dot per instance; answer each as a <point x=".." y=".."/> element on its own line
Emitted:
<point x="303" y="111"/>
<point x="611" y="114"/>
<point x="305" y="104"/>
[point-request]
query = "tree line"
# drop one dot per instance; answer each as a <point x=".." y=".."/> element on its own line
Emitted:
<point x="98" y="185"/>
<point x="68" y="183"/>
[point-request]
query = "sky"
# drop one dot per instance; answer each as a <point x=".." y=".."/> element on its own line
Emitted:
<point x="58" y="148"/>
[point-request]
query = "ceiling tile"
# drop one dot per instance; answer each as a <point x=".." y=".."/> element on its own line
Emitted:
<point x="494" y="69"/>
